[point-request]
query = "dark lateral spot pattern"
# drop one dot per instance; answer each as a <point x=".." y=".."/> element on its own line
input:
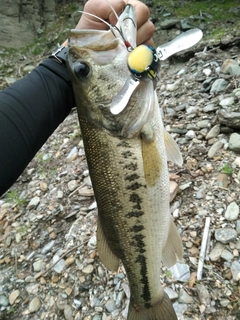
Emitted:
<point x="139" y="240"/>
<point x="137" y="228"/>
<point x="134" y="214"/>
<point x="135" y="186"/>
<point x="146" y="295"/>
<point x="132" y="177"/>
<point x="127" y="154"/>
<point x="134" y="197"/>
<point x="131" y="166"/>
<point x="124" y="144"/>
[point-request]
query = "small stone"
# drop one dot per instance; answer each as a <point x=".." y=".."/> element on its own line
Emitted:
<point x="235" y="269"/>
<point x="219" y="85"/>
<point x="60" y="265"/>
<point x="28" y="69"/>
<point x="238" y="227"/>
<point x="192" y="110"/>
<point x="174" y="86"/>
<point x="32" y="288"/>
<point x="202" y="124"/>
<point x="184" y="297"/>
<point x="171" y="293"/>
<point x="234" y="142"/>
<point x="173" y="189"/>
<point x="202" y="212"/>
<point x="34" y="305"/>
<point x="203" y="294"/>
<point x="43" y="186"/>
<point x="68" y="312"/>
<point x="185" y="185"/>
<point x="216" y="252"/>
<point x="168" y="23"/>
<point x="232" y="211"/>
<point x="88" y="269"/>
<point x="227" y="255"/>
<point x="73" y="154"/>
<point x="224" y="302"/>
<point x="180" y="271"/>
<point x="69" y="261"/>
<point x="207" y="72"/>
<point x="34" y="202"/>
<point x="55" y="278"/>
<point x="119" y="299"/>
<point x="213" y="132"/>
<point x="110" y="305"/>
<point x="72" y="185"/>
<point x="225" y="235"/>
<point x="92" y="206"/>
<point x="13" y="296"/>
<point x="37" y="266"/>
<point x="231" y="67"/>
<point x="227" y="102"/>
<point x="48" y="247"/>
<point x="10" y="80"/>
<point x="68" y="291"/>
<point x="86" y="192"/>
<point x="201" y="192"/>
<point x="214" y="149"/>
<point x="209" y="108"/>
<point x="3" y="300"/>
<point x="126" y="289"/>
<point x="238" y="245"/>
<point x="29" y="279"/>
<point x="237" y="161"/>
<point x="190" y="134"/>
<point x="18" y="237"/>
<point x="222" y="180"/>
<point x="59" y="194"/>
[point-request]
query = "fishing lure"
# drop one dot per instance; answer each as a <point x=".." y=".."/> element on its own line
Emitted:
<point x="143" y="61"/>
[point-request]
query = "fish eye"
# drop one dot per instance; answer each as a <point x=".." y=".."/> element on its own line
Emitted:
<point x="82" y="70"/>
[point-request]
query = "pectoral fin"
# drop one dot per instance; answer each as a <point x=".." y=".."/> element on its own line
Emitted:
<point x="172" y="149"/>
<point x="152" y="162"/>
<point x="173" y="247"/>
<point x="108" y="258"/>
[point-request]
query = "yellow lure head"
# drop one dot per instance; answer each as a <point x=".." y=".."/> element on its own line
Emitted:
<point x="143" y="62"/>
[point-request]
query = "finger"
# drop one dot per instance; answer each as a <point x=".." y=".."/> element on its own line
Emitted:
<point x="145" y="33"/>
<point x="103" y="10"/>
<point x="141" y="11"/>
<point x="144" y="25"/>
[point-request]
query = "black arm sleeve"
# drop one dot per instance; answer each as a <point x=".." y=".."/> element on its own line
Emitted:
<point x="30" y="110"/>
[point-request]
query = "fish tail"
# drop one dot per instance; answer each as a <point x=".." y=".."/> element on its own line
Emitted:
<point x="162" y="310"/>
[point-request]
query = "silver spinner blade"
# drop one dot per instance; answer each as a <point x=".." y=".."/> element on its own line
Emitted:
<point x="182" y="42"/>
<point x="120" y="101"/>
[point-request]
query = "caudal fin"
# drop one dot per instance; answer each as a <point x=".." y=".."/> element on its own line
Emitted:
<point x="162" y="310"/>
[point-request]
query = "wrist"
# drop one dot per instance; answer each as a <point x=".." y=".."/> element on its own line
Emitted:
<point x="60" y="55"/>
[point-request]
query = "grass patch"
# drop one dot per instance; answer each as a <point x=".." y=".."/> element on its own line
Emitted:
<point x="14" y="197"/>
<point x="227" y="169"/>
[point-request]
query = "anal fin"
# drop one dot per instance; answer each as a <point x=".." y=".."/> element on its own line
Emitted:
<point x="108" y="258"/>
<point x="173" y="247"/>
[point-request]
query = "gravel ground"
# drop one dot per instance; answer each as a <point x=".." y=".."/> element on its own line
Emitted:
<point x="48" y="260"/>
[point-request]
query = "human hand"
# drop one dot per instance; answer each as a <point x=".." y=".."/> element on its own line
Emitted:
<point x="101" y="8"/>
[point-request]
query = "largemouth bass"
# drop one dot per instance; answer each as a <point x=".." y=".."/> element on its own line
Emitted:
<point x="126" y="155"/>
